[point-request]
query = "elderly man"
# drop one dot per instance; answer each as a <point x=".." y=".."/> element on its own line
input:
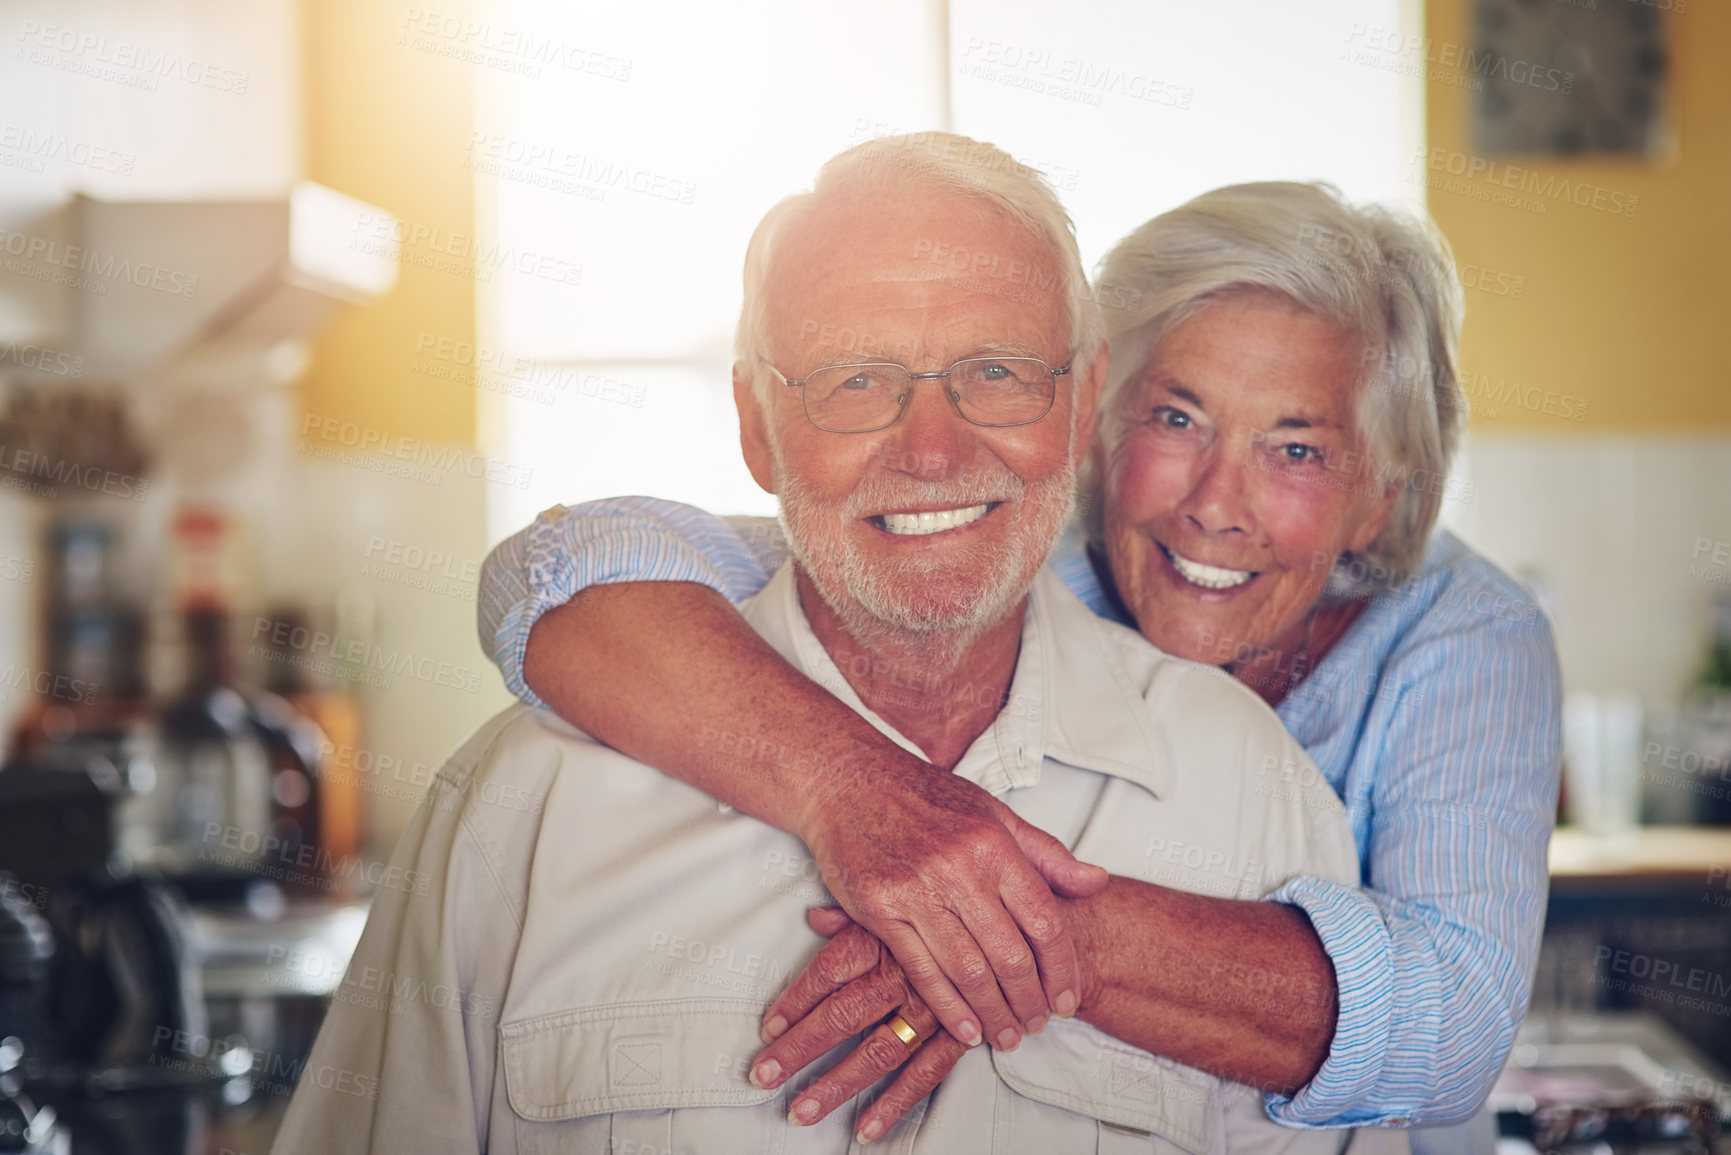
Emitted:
<point x="609" y="938"/>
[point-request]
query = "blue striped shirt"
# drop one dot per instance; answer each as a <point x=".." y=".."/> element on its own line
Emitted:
<point x="1436" y="718"/>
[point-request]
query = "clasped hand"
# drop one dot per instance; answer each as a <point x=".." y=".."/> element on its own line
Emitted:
<point x="959" y="889"/>
<point x="852" y="984"/>
<point x="957" y="929"/>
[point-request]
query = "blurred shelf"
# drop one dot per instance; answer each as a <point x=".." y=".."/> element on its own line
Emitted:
<point x="1646" y="853"/>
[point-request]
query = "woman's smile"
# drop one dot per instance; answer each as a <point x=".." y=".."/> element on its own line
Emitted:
<point x="1205" y="576"/>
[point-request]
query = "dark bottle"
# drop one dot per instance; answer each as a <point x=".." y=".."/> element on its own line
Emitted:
<point x="237" y="791"/>
<point x="90" y="696"/>
<point x="213" y="810"/>
<point x="1715" y="674"/>
<point x="295" y="745"/>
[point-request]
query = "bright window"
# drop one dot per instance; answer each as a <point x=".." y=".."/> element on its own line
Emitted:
<point x="649" y="165"/>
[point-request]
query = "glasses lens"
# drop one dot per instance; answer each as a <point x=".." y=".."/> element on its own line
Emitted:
<point x="1002" y="390"/>
<point x="855" y="398"/>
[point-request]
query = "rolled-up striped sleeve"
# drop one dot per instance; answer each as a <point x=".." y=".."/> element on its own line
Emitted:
<point x="621" y="539"/>
<point x="1434" y="958"/>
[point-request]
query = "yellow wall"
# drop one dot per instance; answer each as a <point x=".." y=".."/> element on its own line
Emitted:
<point x="390" y="124"/>
<point x="1631" y="315"/>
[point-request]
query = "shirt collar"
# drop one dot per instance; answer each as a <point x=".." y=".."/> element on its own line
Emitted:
<point x="1072" y="697"/>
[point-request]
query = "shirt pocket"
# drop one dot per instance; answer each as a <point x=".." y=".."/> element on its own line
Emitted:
<point x="640" y="1078"/>
<point x="1080" y="1068"/>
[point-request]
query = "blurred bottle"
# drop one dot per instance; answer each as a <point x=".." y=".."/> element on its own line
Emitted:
<point x="213" y="813"/>
<point x="90" y="693"/>
<point x="209" y="813"/>
<point x="1602" y="762"/>
<point x="1695" y="761"/>
<point x="324" y="808"/>
<point x="1715" y="674"/>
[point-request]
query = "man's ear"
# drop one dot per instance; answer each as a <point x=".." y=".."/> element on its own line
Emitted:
<point x="1096" y="459"/>
<point x="753" y="428"/>
<point x="1089" y="381"/>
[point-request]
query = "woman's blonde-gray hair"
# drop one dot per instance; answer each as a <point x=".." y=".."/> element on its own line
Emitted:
<point x="1387" y="275"/>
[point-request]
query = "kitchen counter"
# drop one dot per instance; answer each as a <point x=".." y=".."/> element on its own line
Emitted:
<point x="1648" y="853"/>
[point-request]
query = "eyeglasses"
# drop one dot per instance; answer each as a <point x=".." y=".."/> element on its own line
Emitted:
<point x="990" y="391"/>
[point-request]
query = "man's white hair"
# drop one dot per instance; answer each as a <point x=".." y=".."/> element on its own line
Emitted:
<point x="1387" y="275"/>
<point x="941" y="162"/>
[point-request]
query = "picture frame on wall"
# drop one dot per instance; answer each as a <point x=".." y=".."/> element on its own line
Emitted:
<point x="1570" y="78"/>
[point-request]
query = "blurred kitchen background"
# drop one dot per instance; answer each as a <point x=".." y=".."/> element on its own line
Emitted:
<point x="305" y="304"/>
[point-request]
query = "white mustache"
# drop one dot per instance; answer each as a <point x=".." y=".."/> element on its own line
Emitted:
<point x="884" y="495"/>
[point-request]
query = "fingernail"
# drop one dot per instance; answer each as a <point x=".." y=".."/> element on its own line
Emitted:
<point x="1008" y="1038"/>
<point x="1066" y="1004"/>
<point x="775" y="1028"/>
<point x="970" y="1033"/>
<point x="1036" y="1024"/>
<point x="765" y="1073"/>
<point x="870" y="1131"/>
<point x="804" y="1113"/>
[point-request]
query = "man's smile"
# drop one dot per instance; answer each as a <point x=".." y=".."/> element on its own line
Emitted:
<point x="925" y="522"/>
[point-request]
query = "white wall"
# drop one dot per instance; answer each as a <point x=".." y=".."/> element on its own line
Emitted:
<point x="156" y="100"/>
<point x="1610" y="528"/>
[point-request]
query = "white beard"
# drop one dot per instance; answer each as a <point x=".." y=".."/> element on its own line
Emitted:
<point x="947" y="603"/>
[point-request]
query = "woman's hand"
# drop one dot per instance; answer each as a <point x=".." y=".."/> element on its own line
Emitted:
<point x="853" y="983"/>
<point x="959" y="888"/>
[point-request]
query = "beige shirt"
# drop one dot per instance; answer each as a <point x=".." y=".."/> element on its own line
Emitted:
<point x="583" y="962"/>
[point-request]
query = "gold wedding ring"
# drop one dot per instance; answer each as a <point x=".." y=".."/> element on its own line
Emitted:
<point x="910" y="1038"/>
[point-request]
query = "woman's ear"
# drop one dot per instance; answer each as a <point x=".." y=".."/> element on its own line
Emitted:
<point x="1375" y="519"/>
<point x="753" y="428"/>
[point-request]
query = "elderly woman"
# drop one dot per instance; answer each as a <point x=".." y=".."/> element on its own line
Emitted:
<point x="1274" y="443"/>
